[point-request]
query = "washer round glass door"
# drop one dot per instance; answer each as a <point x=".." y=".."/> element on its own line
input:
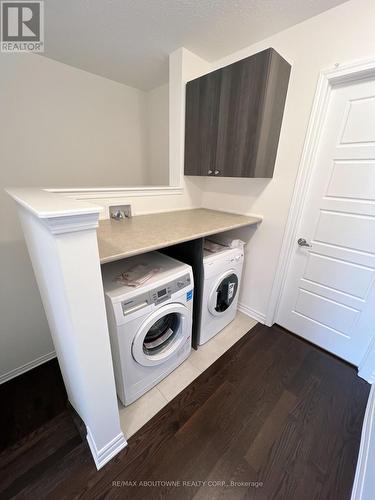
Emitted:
<point x="223" y="293"/>
<point x="162" y="334"/>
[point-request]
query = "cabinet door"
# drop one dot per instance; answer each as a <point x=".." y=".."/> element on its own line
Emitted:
<point x="243" y="90"/>
<point x="269" y="126"/>
<point x="201" y="124"/>
<point x="233" y="117"/>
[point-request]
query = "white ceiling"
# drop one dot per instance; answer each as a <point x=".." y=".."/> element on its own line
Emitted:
<point x="129" y="40"/>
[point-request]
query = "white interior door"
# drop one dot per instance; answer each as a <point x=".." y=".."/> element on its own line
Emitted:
<point x="329" y="294"/>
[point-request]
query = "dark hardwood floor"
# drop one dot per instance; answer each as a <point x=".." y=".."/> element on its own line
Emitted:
<point x="273" y="418"/>
<point x="29" y="401"/>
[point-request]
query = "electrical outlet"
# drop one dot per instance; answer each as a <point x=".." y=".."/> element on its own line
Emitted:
<point x="119" y="212"/>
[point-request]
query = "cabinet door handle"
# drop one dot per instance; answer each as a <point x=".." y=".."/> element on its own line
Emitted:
<point x="210" y="172"/>
<point x="217" y="172"/>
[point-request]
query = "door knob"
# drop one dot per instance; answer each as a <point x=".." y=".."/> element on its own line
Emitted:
<point x="303" y="243"/>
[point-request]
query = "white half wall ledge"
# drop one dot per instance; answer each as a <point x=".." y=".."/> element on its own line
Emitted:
<point x="60" y="235"/>
<point x="48" y="204"/>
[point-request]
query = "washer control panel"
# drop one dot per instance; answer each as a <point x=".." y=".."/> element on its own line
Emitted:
<point x="155" y="296"/>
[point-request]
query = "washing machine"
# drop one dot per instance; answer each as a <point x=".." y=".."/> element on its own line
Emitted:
<point x="150" y="324"/>
<point x="222" y="269"/>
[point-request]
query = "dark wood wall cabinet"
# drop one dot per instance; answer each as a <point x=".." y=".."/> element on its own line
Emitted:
<point x="233" y="117"/>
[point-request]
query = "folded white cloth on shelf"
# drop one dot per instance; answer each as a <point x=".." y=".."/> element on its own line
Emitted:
<point x="226" y="242"/>
<point x="212" y="247"/>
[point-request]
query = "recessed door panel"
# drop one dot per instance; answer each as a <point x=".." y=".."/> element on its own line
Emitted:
<point x="353" y="179"/>
<point x="326" y="311"/>
<point x="352" y="231"/>
<point x="359" y="125"/>
<point x="340" y="275"/>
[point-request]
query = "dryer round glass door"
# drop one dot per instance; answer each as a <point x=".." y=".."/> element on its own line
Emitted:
<point x="162" y="334"/>
<point x="223" y="293"/>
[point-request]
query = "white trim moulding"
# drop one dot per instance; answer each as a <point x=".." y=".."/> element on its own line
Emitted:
<point x="364" y="470"/>
<point x="105" y="454"/>
<point x="113" y="192"/>
<point x="252" y="313"/>
<point x="27" y="366"/>
<point x="69" y="224"/>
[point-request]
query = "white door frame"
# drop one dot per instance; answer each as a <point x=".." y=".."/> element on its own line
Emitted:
<point x="328" y="79"/>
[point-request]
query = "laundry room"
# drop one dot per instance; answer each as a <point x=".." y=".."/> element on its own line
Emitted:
<point x="188" y="271"/>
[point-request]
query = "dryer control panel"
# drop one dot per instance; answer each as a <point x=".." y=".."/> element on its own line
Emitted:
<point x="155" y="296"/>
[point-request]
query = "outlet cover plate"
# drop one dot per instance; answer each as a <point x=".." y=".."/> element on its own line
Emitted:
<point x="120" y="212"/>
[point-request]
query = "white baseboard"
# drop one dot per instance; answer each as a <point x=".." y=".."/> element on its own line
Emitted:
<point x="105" y="454"/>
<point x="365" y="470"/>
<point x="252" y="313"/>
<point x="26" y="367"/>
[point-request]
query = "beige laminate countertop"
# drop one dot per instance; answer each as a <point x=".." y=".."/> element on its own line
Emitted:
<point x="144" y="233"/>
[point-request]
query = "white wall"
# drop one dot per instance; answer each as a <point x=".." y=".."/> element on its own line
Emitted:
<point x="158" y="135"/>
<point x="69" y="127"/>
<point x="59" y="126"/>
<point x="342" y="34"/>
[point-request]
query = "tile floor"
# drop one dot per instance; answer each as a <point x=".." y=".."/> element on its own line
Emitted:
<point x="133" y="417"/>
